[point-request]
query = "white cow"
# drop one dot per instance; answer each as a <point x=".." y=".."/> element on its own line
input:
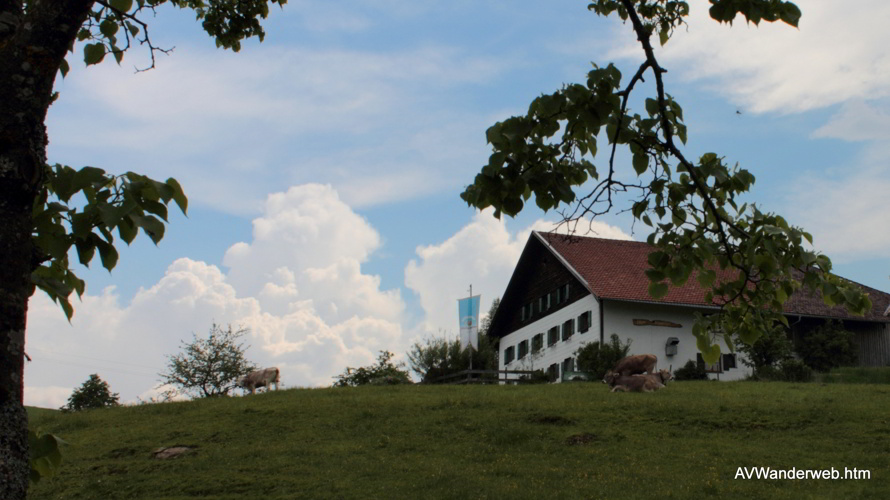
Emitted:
<point x="264" y="377"/>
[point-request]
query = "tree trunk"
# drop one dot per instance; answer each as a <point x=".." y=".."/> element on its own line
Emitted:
<point x="33" y="42"/>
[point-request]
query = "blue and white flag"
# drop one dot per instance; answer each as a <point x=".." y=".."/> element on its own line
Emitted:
<point x="468" y="313"/>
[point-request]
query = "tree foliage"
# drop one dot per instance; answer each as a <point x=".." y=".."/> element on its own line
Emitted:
<point x="211" y="366"/>
<point x="125" y="203"/>
<point x="827" y="346"/>
<point x="385" y="372"/>
<point x="45" y="211"/>
<point x="597" y="359"/>
<point x="437" y="357"/>
<point x="93" y="393"/>
<point x="46" y="454"/>
<point x="770" y="350"/>
<point x="751" y="261"/>
<point x="691" y="371"/>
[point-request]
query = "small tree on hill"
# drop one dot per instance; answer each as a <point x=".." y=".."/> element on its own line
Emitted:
<point x="210" y="366"/>
<point x="599" y="358"/>
<point x="383" y="373"/>
<point x="94" y="393"/>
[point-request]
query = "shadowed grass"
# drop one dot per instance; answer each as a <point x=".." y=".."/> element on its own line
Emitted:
<point x="554" y="441"/>
<point x="856" y="375"/>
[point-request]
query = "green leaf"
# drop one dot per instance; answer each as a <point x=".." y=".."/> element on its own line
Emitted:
<point x="63" y="68"/>
<point x="127" y="229"/>
<point x="640" y="162"/>
<point x="108" y="254"/>
<point x="93" y="53"/>
<point x="655" y="275"/>
<point x="707" y="277"/>
<point x="151" y="226"/>
<point x="663" y="36"/>
<point x="710" y="354"/>
<point x="108" y="28"/>
<point x="123" y="6"/>
<point x="657" y="290"/>
<point x="790" y="14"/>
<point x="183" y="202"/>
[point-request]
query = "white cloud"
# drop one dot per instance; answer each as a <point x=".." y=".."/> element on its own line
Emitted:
<point x="482" y="253"/>
<point x="846" y="211"/>
<point x="298" y="287"/>
<point x="53" y="396"/>
<point x="858" y="120"/>
<point x="838" y="54"/>
<point x="233" y="127"/>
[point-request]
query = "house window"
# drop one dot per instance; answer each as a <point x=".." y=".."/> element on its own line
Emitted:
<point x="565" y="293"/>
<point x="728" y="361"/>
<point x="558" y="296"/>
<point x="537" y="343"/>
<point x="522" y="314"/>
<point x="553" y="372"/>
<point x="547" y="301"/>
<point x="540" y="304"/>
<point x="568" y="365"/>
<point x="568" y="329"/>
<point x="552" y="336"/>
<point x="523" y="349"/>
<point x="584" y="322"/>
<point x="509" y="355"/>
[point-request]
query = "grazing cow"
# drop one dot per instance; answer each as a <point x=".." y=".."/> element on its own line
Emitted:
<point x="636" y="364"/>
<point x="637" y="383"/>
<point x="264" y="377"/>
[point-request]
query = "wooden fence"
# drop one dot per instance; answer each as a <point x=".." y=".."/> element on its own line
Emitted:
<point x="485" y="377"/>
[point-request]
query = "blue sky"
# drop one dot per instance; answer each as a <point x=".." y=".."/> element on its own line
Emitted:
<point x="324" y="165"/>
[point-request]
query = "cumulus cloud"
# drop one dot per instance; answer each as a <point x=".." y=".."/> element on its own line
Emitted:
<point x="298" y="286"/>
<point x="482" y="253"/>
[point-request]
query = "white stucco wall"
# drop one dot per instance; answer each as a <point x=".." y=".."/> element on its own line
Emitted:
<point x="618" y="319"/>
<point x="563" y="348"/>
<point x="619" y="316"/>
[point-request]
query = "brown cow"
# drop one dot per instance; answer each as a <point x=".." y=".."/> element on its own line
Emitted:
<point x="639" y="363"/>
<point x="637" y="383"/>
<point x="264" y="377"/>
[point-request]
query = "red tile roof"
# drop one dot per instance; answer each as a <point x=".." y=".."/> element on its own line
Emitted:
<point x="615" y="269"/>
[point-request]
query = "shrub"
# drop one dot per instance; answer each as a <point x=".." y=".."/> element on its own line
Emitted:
<point x="597" y="359"/>
<point x="827" y="346"/>
<point x="383" y="373"/>
<point x="437" y="357"/>
<point x="771" y="349"/>
<point x="691" y="371"/>
<point x="795" y="370"/>
<point x="94" y="393"/>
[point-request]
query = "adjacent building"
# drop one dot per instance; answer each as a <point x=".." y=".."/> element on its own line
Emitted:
<point x="566" y="292"/>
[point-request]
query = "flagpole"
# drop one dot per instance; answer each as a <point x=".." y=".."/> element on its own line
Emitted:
<point x="471" y="335"/>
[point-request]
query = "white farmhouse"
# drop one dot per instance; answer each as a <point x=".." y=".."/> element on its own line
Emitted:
<point x="566" y="292"/>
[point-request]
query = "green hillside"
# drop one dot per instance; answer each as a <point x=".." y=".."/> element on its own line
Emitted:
<point x="552" y="441"/>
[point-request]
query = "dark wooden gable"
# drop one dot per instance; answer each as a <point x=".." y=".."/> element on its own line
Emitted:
<point x="538" y="273"/>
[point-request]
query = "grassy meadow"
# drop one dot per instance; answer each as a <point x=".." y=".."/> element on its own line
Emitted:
<point x="572" y="440"/>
